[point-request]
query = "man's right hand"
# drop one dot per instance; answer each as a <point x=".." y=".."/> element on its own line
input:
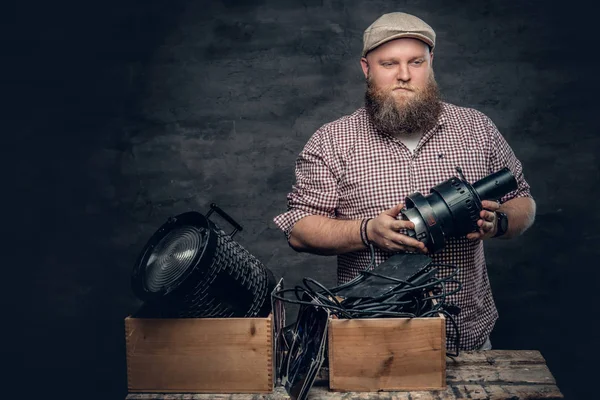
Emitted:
<point x="384" y="230"/>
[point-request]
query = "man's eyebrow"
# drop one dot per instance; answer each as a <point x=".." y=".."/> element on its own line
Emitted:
<point x="396" y="59"/>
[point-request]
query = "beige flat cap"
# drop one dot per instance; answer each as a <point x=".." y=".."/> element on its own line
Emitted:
<point x="394" y="26"/>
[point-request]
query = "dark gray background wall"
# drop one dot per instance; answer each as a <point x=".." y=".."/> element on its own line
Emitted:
<point x="121" y="114"/>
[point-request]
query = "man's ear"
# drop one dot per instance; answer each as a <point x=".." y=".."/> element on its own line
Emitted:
<point x="431" y="58"/>
<point x="365" y="66"/>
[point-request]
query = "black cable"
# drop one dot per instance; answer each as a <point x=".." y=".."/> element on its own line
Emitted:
<point x="406" y="299"/>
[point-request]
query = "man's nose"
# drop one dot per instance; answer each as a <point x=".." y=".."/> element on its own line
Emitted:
<point x="403" y="74"/>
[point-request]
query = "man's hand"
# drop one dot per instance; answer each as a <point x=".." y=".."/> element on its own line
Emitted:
<point x="384" y="232"/>
<point x="488" y="222"/>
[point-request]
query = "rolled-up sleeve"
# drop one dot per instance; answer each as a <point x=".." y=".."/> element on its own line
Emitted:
<point x="315" y="191"/>
<point x="501" y="156"/>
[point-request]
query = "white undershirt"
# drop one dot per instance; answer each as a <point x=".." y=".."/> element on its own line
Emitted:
<point x="411" y="141"/>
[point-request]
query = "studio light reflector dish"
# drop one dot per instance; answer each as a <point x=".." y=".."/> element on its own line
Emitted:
<point x="192" y="268"/>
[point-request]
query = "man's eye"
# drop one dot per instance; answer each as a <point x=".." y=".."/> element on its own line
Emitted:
<point x="418" y="62"/>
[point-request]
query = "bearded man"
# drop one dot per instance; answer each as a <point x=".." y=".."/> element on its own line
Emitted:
<point x="354" y="172"/>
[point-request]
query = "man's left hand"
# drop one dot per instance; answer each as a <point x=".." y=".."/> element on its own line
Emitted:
<point x="487" y="223"/>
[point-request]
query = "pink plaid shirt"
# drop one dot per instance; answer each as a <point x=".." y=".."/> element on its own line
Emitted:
<point x="349" y="170"/>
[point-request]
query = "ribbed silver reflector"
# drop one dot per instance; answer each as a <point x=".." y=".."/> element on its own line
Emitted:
<point x="172" y="257"/>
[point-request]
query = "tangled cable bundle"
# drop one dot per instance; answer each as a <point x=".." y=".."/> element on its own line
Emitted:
<point x="404" y="286"/>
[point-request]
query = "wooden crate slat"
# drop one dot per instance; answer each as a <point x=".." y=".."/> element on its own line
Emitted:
<point x="199" y="355"/>
<point x="387" y="354"/>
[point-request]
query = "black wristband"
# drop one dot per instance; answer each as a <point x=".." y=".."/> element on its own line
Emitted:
<point x="501" y="223"/>
<point x="363" y="231"/>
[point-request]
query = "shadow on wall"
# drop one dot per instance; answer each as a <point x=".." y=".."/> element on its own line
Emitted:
<point x="544" y="292"/>
<point x="76" y="72"/>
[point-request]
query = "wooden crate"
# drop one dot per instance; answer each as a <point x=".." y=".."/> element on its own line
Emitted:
<point x="199" y="355"/>
<point x="367" y="355"/>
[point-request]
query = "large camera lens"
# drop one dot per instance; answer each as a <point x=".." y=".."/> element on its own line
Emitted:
<point x="452" y="208"/>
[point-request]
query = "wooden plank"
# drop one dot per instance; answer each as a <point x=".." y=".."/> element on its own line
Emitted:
<point x="278" y="393"/>
<point x="529" y="392"/>
<point x="503" y="392"/>
<point x="387" y="354"/>
<point x="498" y="356"/>
<point x="225" y="355"/>
<point x="475" y="392"/>
<point x="496" y="374"/>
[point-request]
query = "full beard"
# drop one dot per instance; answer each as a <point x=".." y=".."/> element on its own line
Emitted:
<point x="404" y="116"/>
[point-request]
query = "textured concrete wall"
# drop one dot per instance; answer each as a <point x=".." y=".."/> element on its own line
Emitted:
<point x="122" y="114"/>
